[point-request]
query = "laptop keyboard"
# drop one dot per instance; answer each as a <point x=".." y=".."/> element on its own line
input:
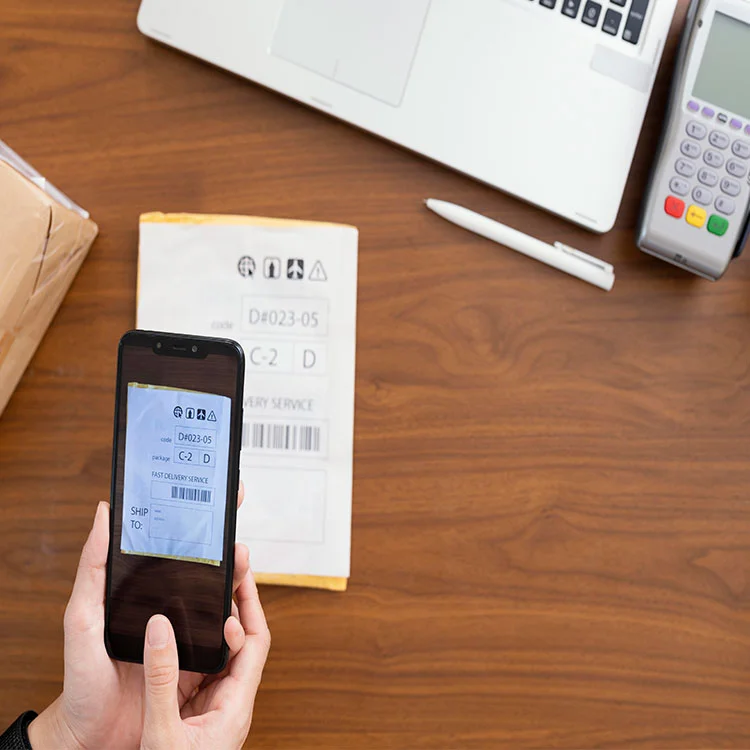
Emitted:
<point x="622" y="18"/>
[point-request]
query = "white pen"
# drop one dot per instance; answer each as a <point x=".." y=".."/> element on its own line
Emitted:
<point x="562" y="257"/>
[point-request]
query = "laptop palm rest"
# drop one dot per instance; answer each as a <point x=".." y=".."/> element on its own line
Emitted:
<point x="367" y="45"/>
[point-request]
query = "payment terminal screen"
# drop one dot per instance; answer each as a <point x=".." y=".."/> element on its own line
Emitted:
<point x="722" y="76"/>
<point x="175" y="479"/>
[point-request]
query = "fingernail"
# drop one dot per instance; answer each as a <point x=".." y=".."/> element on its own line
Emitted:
<point x="158" y="631"/>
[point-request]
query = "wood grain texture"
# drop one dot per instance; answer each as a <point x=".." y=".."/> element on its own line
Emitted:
<point x="551" y="534"/>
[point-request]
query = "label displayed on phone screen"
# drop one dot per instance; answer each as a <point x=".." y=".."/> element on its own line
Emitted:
<point x="176" y="464"/>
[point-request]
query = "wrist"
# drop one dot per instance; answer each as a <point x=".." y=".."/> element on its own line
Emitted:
<point x="50" y="730"/>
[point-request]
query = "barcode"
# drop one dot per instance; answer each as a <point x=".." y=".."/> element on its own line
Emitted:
<point x="282" y="437"/>
<point x="191" y="493"/>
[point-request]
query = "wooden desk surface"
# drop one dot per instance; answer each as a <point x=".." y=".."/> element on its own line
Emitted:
<point x="551" y="535"/>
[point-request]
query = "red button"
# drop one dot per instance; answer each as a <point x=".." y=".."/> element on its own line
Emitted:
<point x="674" y="207"/>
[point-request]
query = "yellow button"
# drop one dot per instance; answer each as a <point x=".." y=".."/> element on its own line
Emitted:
<point x="695" y="216"/>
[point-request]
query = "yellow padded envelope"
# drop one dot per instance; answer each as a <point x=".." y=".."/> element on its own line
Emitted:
<point x="308" y="581"/>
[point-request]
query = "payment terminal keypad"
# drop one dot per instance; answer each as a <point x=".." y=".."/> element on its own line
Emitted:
<point x="709" y="171"/>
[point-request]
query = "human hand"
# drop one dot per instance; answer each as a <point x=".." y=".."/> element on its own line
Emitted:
<point x="219" y="712"/>
<point x="102" y="702"/>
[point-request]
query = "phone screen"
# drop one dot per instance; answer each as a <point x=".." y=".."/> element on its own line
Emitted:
<point x="175" y="476"/>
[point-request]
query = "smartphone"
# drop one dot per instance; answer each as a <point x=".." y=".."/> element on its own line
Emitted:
<point x="175" y="476"/>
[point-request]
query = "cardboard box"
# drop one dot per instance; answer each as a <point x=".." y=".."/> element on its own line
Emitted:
<point x="44" y="238"/>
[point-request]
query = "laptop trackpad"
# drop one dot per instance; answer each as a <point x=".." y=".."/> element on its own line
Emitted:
<point x="368" y="45"/>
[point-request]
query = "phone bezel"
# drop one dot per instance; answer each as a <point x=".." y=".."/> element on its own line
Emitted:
<point x="130" y="649"/>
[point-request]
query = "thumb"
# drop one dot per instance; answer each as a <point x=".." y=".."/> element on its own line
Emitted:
<point x="161" y="669"/>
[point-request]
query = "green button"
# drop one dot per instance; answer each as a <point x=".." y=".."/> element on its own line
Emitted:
<point x="718" y="225"/>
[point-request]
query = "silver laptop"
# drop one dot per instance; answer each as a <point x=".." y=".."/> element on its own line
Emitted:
<point x="543" y="99"/>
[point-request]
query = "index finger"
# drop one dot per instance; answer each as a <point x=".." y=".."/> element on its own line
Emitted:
<point x="240" y="495"/>
<point x="252" y="617"/>
<point x="241" y="565"/>
<point x="88" y="590"/>
<point x="247" y="666"/>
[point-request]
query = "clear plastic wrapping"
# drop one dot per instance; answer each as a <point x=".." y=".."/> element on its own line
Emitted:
<point x="45" y="238"/>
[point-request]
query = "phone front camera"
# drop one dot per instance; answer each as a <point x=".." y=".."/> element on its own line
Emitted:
<point x="195" y="348"/>
<point x="158" y="344"/>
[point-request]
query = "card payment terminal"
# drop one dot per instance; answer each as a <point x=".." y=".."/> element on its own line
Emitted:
<point x="696" y="213"/>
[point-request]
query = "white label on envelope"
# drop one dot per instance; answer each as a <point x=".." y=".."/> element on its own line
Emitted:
<point x="176" y="464"/>
<point x="287" y="293"/>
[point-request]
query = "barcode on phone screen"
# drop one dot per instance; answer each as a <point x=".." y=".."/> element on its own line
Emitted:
<point x="191" y="493"/>
<point x="282" y="437"/>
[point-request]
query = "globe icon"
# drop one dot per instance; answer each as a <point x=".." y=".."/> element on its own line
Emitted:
<point x="246" y="266"/>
